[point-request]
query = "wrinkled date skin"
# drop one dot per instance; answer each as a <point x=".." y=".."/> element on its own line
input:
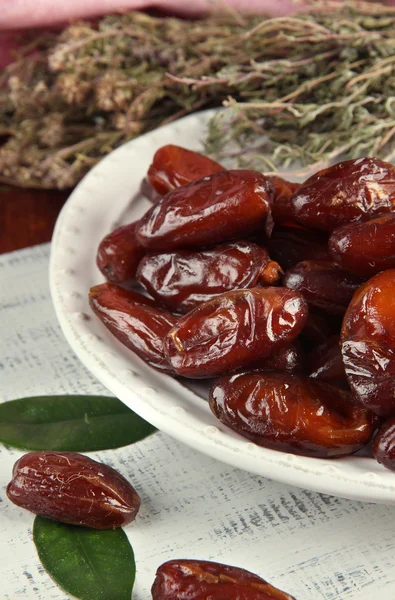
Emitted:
<point x="323" y="284"/>
<point x="234" y="330"/>
<point x="119" y="254"/>
<point x="203" y="580"/>
<point x="134" y="321"/>
<point x="365" y="248"/>
<point x="219" y="207"/>
<point x="183" y="279"/>
<point x="72" y="488"/>
<point x="368" y="343"/>
<point x="292" y="413"/>
<point x="290" y="359"/>
<point x="352" y="190"/>
<point x="173" y="166"/>
<point x="292" y="245"/>
<point x="283" y="192"/>
<point x="383" y="445"/>
<point x="325" y="363"/>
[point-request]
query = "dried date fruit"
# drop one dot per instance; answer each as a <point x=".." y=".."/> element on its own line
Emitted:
<point x="292" y="413"/>
<point x="324" y="284"/>
<point x="134" y="320"/>
<point x="72" y="488"/>
<point x="119" y="254"/>
<point x="326" y="363"/>
<point x="356" y="189"/>
<point x="283" y="192"/>
<point x="368" y="343"/>
<point x="292" y="245"/>
<point x="183" y="279"/>
<point x="174" y="166"/>
<point x="185" y="579"/>
<point x="219" y="207"/>
<point x="290" y="359"/>
<point x="234" y="330"/>
<point x="365" y="248"/>
<point x="383" y="445"/>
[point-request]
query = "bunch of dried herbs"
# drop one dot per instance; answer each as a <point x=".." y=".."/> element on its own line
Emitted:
<point x="303" y="89"/>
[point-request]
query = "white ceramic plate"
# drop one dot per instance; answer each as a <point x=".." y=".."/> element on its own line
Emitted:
<point x="101" y="202"/>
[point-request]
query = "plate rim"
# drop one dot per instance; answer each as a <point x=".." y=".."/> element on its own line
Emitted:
<point x="213" y="439"/>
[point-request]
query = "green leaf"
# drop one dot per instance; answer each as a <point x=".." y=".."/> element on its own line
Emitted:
<point x="88" y="563"/>
<point x="76" y="423"/>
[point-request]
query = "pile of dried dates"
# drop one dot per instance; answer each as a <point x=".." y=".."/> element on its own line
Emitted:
<point x="282" y="292"/>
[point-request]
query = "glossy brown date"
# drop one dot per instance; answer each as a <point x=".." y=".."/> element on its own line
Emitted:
<point x="72" y="488"/>
<point x="119" y="254"/>
<point x="291" y="245"/>
<point x="173" y="166"/>
<point x="323" y="284"/>
<point x="283" y="192"/>
<point x="219" y="207"/>
<point x="365" y="248"/>
<point x="368" y="343"/>
<point x="325" y="363"/>
<point x="383" y="445"/>
<point x="290" y="359"/>
<point x="234" y="330"/>
<point x="291" y="413"/>
<point x="203" y="580"/>
<point x="183" y="279"/>
<point x="134" y="320"/>
<point x="356" y="189"/>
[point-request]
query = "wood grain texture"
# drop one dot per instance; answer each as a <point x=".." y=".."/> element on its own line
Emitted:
<point x="27" y="217"/>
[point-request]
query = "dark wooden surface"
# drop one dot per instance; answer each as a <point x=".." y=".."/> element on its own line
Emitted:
<point x="27" y="217"/>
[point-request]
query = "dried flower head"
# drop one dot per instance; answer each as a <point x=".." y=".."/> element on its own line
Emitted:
<point x="114" y="91"/>
<point x="52" y="132"/>
<point x="72" y="89"/>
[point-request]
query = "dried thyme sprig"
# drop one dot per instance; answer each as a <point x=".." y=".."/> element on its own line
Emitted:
<point x="342" y="102"/>
<point x="302" y="90"/>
